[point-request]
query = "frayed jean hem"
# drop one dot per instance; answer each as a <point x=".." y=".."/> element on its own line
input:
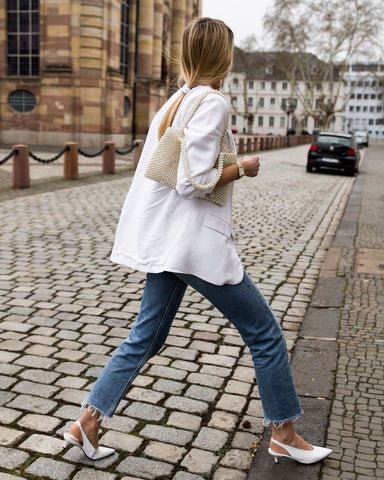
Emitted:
<point x="281" y="423"/>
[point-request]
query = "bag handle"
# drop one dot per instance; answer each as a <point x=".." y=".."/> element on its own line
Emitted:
<point x="183" y="150"/>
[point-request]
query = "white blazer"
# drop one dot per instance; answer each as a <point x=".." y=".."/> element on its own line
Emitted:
<point x="175" y="230"/>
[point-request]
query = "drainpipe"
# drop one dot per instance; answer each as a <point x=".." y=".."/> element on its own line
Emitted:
<point x="134" y="94"/>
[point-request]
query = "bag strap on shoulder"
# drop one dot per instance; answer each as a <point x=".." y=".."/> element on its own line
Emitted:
<point x="197" y="104"/>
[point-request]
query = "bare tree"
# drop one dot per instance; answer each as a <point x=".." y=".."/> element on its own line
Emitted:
<point x="337" y="33"/>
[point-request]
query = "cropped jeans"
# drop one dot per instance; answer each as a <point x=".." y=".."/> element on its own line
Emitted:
<point x="242" y="304"/>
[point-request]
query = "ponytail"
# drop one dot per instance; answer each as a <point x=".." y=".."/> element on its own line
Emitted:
<point x="170" y="115"/>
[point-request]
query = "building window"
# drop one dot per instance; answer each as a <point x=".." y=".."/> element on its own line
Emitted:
<point x="358" y="109"/>
<point x="250" y="102"/>
<point x="271" y="121"/>
<point x="373" y="96"/>
<point x="282" y="122"/>
<point x="366" y="96"/>
<point x="285" y="86"/>
<point x="235" y="82"/>
<point x="261" y="102"/>
<point x="269" y="70"/>
<point x="273" y="85"/>
<point x="23" y="37"/>
<point x="359" y="96"/>
<point x="262" y="85"/>
<point x="352" y="95"/>
<point x="372" y="109"/>
<point x="378" y="109"/>
<point x="260" y="121"/>
<point x="351" y="108"/>
<point x="251" y="85"/>
<point x="233" y="120"/>
<point x="234" y="101"/>
<point x="127" y="106"/>
<point x="124" y="39"/>
<point x="22" y="101"/>
<point x="273" y="102"/>
<point x="365" y="109"/>
<point x="370" y="121"/>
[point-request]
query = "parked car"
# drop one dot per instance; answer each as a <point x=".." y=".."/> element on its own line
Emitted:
<point x="362" y="138"/>
<point x="334" y="151"/>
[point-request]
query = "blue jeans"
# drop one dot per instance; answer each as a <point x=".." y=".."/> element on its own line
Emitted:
<point x="242" y="304"/>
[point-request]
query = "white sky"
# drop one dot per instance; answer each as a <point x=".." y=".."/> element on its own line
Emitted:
<point x="244" y="17"/>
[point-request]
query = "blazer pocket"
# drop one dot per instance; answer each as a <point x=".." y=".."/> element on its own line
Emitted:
<point x="219" y="225"/>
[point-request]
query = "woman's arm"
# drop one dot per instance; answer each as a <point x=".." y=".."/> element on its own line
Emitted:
<point x="251" y="165"/>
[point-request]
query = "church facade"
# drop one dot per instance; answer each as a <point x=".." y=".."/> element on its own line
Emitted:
<point x="86" y="70"/>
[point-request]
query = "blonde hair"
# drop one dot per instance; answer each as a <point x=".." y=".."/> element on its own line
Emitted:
<point x="206" y="59"/>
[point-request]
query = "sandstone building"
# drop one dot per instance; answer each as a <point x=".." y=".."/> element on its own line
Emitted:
<point x="86" y="70"/>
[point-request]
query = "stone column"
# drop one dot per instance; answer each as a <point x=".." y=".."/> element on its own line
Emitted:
<point x="146" y="34"/>
<point x="145" y="65"/>
<point x="178" y="26"/>
<point x="189" y="10"/>
<point x="157" y="40"/>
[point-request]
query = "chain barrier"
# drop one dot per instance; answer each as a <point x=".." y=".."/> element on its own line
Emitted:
<point x="7" y="157"/>
<point x="130" y="149"/>
<point x="93" y="155"/>
<point x="65" y="149"/>
<point x="48" y="160"/>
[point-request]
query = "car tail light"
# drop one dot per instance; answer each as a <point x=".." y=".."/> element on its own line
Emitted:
<point x="351" y="151"/>
<point x="313" y="147"/>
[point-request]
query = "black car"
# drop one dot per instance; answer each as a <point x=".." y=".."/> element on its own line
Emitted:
<point x="334" y="151"/>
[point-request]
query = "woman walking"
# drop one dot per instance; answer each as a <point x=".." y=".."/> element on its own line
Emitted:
<point x="182" y="236"/>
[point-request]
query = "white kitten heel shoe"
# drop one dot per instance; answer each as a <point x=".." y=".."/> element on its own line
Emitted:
<point x="90" y="451"/>
<point x="301" y="456"/>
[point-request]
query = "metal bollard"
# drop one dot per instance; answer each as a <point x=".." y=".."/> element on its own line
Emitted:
<point x="249" y="145"/>
<point x="257" y="144"/>
<point x="137" y="152"/>
<point x="109" y="164"/>
<point x="71" y="161"/>
<point x="20" y="167"/>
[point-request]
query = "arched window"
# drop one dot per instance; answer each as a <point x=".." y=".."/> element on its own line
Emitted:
<point x="23" y="37"/>
<point x="124" y="39"/>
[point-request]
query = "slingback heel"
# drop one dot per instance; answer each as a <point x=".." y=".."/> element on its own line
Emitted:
<point x="301" y="456"/>
<point x="90" y="451"/>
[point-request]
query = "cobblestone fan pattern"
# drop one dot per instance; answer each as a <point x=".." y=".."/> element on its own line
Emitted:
<point x="356" y="427"/>
<point x="65" y="307"/>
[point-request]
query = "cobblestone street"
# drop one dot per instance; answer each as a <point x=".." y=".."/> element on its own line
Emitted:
<point x="65" y="307"/>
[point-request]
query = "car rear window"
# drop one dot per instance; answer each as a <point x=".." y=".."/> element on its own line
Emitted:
<point x="331" y="140"/>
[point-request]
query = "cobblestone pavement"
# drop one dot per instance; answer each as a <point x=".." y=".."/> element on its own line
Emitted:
<point x="356" y="430"/>
<point x="65" y="307"/>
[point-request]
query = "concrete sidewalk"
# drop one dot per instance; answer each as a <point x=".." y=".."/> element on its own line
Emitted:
<point x="338" y="359"/>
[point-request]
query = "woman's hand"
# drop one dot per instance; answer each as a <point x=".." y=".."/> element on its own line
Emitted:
<point x="251" y="165"/>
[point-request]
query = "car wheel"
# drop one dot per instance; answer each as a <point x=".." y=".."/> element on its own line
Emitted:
<point x="309" y="168"/>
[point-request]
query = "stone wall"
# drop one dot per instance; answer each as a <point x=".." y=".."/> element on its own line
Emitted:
<point x="80" y="91"/>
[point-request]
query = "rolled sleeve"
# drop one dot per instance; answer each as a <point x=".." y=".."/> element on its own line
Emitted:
<point x="203" y="135"/>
